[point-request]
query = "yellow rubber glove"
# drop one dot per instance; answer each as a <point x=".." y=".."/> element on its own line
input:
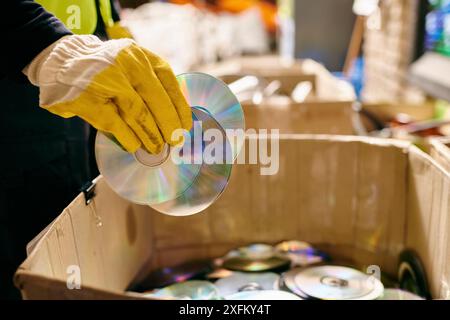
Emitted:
<point x="116" y="86"/>
<point x="117" y="31"/>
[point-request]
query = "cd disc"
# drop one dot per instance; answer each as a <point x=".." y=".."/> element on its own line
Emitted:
<point x="239" y="282"/>
<point x="257" y="251"/>
<point x="286" y="283"/>
<point x="166" y="276"/>
<point x="256" y="257"/>
<point x="164" y="182"/>
<point x="293" y="246"/>
<point x="333" y="282"/>
<point x="137" y="180"/>
<point x="411" y="274"/>
<point x="263" y="295"/>
<point x="206" y="92"/>
<point x="243" y="264"/>
<point x="210" y="181"/>
<point x="301" y="253"/>
<point x="189" y="290"/>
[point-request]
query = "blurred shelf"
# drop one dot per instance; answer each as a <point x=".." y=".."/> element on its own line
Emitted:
<point x="431" y="73"/>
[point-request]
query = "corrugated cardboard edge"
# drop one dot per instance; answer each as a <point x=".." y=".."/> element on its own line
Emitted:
<point x="33" y="275"/>
<point x="428" y="220"/>
<point x="35" y="286"/>
<point x="440" y="151"/>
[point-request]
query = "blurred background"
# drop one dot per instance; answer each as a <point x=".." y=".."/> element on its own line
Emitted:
<point x="390" y="58"/>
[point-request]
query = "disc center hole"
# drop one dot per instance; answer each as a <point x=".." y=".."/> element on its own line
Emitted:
<point x="152" y="160"/>
<point x="334" y="281"/>
<point x="252" y="286"/>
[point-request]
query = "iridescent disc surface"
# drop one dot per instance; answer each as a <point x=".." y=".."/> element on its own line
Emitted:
<point x="247" y="265"/>
<point x="333" y="282"/>
<point x="240" y="282"/>
<point x="205" y="91"/>
<point x="301" y="253"/>
<point x="211" y="179"/>
<point x="138" y="182"/>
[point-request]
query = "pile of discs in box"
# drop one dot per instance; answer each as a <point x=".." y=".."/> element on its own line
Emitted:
<point x="291" y="270"/>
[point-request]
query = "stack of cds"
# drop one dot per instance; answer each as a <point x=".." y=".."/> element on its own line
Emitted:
<point x="178" y="181"/>
<point x="253" y="272"/>
<point x="333" y="283"/>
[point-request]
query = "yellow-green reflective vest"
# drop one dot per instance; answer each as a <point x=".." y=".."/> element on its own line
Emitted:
<point x="79" y="16"/>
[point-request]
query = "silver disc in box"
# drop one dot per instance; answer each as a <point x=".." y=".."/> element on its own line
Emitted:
<point x="333" y="283"/>
<point x="172" y="187"/>
<point x="240" y="281"/>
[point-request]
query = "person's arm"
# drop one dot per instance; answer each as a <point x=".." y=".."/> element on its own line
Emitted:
<point x="116" y="86"/>
<point x="28" y="30"/>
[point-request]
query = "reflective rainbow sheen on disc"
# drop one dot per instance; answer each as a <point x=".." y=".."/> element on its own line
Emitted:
<point x="137" y="182"/>
<point x="205" y="91"/>
<point x="173" y="188"/>
<point x="208" y="184"/>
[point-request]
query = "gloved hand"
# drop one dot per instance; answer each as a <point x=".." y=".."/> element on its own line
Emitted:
<point x="116" y="86"/>
<point x="118" y="31"/>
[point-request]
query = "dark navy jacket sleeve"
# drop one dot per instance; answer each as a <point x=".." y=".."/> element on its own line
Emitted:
<point x="29" y="29"/>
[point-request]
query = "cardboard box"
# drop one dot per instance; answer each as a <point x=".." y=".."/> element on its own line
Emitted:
<point x="288" y="82"/>
<point x="363" y="199"/>
<point x="312" y="116"/>
<point x="308" y="117"/>
<point x="326" y="87"/>
<point x="388" y="111"/>
<point x="264" y="66"/>
<point x="319" y="114"/>
<point x="269" y="68"/>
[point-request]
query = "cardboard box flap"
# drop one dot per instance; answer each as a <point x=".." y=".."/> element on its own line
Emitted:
<point x="107" y="240"/>
<point x="440" y="151"/>
<point x="428" y="218"/>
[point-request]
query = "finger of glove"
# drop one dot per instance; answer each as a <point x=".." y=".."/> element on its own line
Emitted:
<point x="159" y="104"/>
<point x="103" y="115"/>
<point x="170" y="83"/>
<point x="139" y="118"/>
